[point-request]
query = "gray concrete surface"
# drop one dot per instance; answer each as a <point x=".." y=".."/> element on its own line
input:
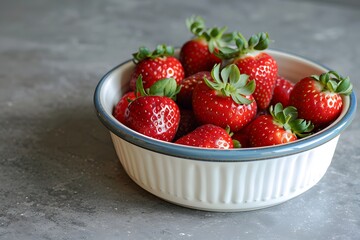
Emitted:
<point x="59" y="175"/>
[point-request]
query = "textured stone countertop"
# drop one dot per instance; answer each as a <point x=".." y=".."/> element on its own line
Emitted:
<point x="59" y="175"/>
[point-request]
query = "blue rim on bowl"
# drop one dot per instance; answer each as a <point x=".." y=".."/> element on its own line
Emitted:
<point x="231" y="155"/>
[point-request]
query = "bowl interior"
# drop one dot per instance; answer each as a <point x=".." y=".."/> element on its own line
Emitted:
<point x="116" y="86"/>
<point x="115" y="83"/>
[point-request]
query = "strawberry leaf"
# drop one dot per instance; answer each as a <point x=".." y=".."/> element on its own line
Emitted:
<point x="228" y="37"/>
<point x="333" y="82"/>
<point x="242" y="82"/>
<point x="291" y="113"/>
<point x="248" y="89"/>
<point x="263" y="42"/>
<point x="259" y="42"/>
<point x="160" y="51"/>
<point x="345" y="87"/>
<point x="224" y="75"/>
<point x="215" y="37"/>
<point x="211" y="45"/>
<point x="196" y="25"/>
<point x="287" y="118"/>
<point x="166" y="87"/>
<point x="239" y="99"/>
<point x="331" y="86"/>
<point x="240" y="41"/>
<point x="230" y="83"/>
<point x="301" y="128"/>
<point x="253" y="41"/>
<point x="236" y="143"/>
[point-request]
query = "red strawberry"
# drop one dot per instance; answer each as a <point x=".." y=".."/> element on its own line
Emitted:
<point x="196" y="57"/>
<point x="260" y="66"/>
<point x="282" y="126"/>
<point x="243" y="136"/>
<point x="226" y="101"/>
<point x="197" y="54"/>
<point x="156" y="65"/>
<point x="121" y="106"/>
<point x="207" y="136"/>
<point x="154" y="113"/>
<point x="263" y="69"/>
<point x="282" y="90"/>
<point x="187" y="123"/>
<point x="188" y="84"/>
<point x="318" y="98"/>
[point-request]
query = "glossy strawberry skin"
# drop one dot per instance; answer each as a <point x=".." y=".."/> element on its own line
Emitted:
<point x="154" y="116"/>
<point x="243" y="136"/>
<point x="207" y="136"/>
<point x="187" y="123"/>
<point x="282" y="90"/>
<point x="313" y="104"/>
<point x="121" y="106"/>
<point x="222" y="111"/>
<point x="263" y="131"/>
<point x="243" y="139"/>
<point x="263" y="69"/>
<point x="154" y="69"/>
<point x="196" y="57"/>
<point x="184" y="97"/>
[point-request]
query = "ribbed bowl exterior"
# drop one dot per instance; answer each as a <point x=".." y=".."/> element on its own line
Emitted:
<point x="224" y="186"/>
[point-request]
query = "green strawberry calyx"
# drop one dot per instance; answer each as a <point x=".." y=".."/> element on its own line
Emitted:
<point x="165" y="87"/>
<point x="230" y="83"/>
<point x="215" y="37"/>
<point x="333" y="82"/>
<point x="256" y="42"/>
<point x="161" y="50"/>
<point x="288" y="119"/>
<point x="196" y="25"/>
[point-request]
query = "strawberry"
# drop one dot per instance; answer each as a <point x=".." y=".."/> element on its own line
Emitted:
<point x="208" y="136"/>
<point x="187" y="123"/>
<point x="225" y="101"/>
<point x="263" y="69"/>
<point x="282" y="90"/>
<point x="121" y="106"/>
<point x="318" y="98"/>
<point x="196" y="57"/>
<point x="154" y="113"/>
<point x="188" y="84"/>
<point x="260" y="66"/>
<point x="242" y="136"/>
<point x="281" y="126"/>
<point x="197" y="54"/>
<point x="156" y="65"/>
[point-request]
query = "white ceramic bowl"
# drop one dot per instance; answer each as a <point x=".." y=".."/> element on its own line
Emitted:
<point x="222" y="180"/>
